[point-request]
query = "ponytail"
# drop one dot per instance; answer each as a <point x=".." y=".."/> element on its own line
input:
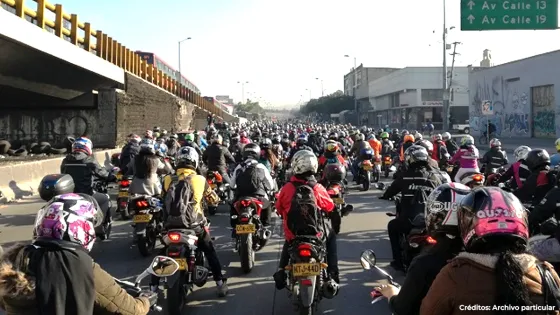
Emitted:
<point x="511" y="290"/>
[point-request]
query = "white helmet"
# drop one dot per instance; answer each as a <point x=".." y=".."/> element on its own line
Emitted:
<point x="446" y="136"/>
<point x="189" y="155"/>
<point x="417" y="136"/>
<point x="304" y="161"/>
<point x="495" y="143"/>
<point x="521" y="152"/>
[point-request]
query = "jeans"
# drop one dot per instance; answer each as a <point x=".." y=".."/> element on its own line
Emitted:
<point x="395" y="229"/>
<point x="332" y="254"/>
<point x="265" y="216"/>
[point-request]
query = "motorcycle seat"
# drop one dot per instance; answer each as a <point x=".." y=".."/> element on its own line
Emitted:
<point x="419" y="221"/>
<point x="416" y="231"/>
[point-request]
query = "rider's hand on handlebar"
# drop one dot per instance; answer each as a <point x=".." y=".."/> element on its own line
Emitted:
<point x="151" y="296"/>
<point x="388" y="290"/>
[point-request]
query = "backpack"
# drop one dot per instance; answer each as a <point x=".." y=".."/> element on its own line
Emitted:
<point x="247" y="181"/>
<point x="550" y="289"/>
<point x="437" y="178"/>
<point x="304" y="217"/>
<point x="179" y="203"/>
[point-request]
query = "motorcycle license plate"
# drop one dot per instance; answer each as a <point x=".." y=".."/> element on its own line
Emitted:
<point x="119" y="176"/>
<point x="182" y="263"/>
<point x="387" y="162"/>
<point x="123" y="194"/>
<point x="142" y="218"/>
<point x="306" y="269"/>
<point x="368" y="167"/>
<point x="338" y="201"/>
<point x="245" y="229"/>
<point x="213" y="186"/>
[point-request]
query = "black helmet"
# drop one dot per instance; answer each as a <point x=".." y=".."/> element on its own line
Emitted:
<point x="251" y="150"/>
<point x="537" y="158"/>
<point x="395" y="130"/>
<point x="416" y="154"/>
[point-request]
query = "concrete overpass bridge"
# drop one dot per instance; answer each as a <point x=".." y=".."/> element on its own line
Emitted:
<point x="59" y="77"/>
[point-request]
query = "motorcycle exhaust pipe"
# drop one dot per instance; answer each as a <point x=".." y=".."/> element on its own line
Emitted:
<point x="264" y="233"/>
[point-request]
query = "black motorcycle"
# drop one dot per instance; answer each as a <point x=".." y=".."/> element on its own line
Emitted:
<point x="103" y="231"/>
<point x="250" y="234"/>
<point x="123" y="196"/>
<point x="147" y="222"/>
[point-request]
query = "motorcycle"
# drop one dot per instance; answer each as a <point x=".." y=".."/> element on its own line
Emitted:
<point x="161" y="267"/>
<point x="336" y="192"/>
<point x="364" y="174"/>
<point x="147" y="222"/>
<point x="416" y="240"/>
<point x="123" y="197"/>
<point x="250" y="235"/>
<point x="103" y="231"/>
<point x="386" y="167"/>
<point x="215" y="181"/>
<point x="307" y="273"/>
<point x="376" y="172"/>
<point x="472" y="179"/>
<point x="181" y="245"/>
<point x="368" y="262"/>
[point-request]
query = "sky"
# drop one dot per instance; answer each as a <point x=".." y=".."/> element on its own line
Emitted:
<point x="282" y="47"/>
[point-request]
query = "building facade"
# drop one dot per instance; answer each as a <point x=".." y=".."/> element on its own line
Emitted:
<point x="523" y="95"/>
<point x="408" y="98"/>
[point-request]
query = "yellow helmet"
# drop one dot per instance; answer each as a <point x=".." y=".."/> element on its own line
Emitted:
<point x="557" y="144"/>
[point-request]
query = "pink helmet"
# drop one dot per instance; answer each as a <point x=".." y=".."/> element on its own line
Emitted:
<point x="489" y="211"/>
<point x="69" y="217"/>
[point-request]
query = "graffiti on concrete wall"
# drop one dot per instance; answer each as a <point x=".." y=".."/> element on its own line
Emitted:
<point x="544" y="124"/>
<point x="43" y="127"/>
<point x="511" y="107"/>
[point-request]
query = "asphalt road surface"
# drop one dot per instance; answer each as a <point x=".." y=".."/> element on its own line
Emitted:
<point x="252" y="293"/>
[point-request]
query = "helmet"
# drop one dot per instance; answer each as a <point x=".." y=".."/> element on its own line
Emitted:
<point x="188" y="156"/>
<point x="537" y="158"/>
<point x="251" y="150"/>
<point x="266" y="143"/>
<point x="384" y="135"/>
<point x="408" y="138"/>
<point x="69" y="217"/>
<point x="302" y="139"/>
<point x="82" y="145"/>
<point x="275" y="139"/>
<point x="147" y="146"/>
<point x="149" y="134"/>
<point x="446" y="136"/>
<point x="304" y="161"/>
<point x="371" y="137"/>
<point x="417" y="136"/>
<point x="404" y="132"/>
<point x="489" y="212"/>
<point x="243" y="134"/>
<point x="360" y="137"/>
<point x="164" y="132"/>
<point x="174" y="136"/>
<point x="189" y="137"/>
<point x="557" y="144"/>
<point x="217" y="139"/>
<point x="467" y="140"/>
<point x="395" y="130"/>
<point x="331" y="146"/>
<point x="160" y="146"/>
<point x="436" y="137"/>
<point x="521" y="152"/>
<point x="333" y="136"/>
<point x="441" y="208"/>
<point x="415" y="154"/>
<point x="134" y="139"/>
<point x="157" y="129"/>
<point x="427" y="144"/>
<point x="495" y="143"/>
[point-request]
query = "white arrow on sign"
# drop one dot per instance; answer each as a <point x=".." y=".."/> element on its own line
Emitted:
<point x="471" y="4"/>
<point x="470" y="18"/>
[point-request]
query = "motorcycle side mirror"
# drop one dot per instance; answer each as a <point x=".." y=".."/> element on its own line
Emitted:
<point x="368" y="259"/>
<point x="163" y="266"/>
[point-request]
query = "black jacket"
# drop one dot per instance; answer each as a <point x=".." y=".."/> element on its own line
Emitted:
<point x="83" y="169"/>
<point x="451" y="146"/>
<point x="236" y="150"/>
<point x="217" y="158"/>
<point x="524" y="173"/>
<point x="128" y="153"/>
<point x="415" y="184"/>
<point x="547" y="208"/>
<point x="494" y="158"/>
<point x="536" y="187"/>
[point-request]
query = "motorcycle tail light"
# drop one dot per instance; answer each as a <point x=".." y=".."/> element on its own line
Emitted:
<point x="124" y="183"/>
<point x="306" y="282"/>
<point x="304" y="250"/>
<point x="478" y="177"/>
<point x="218" y="177"/>
<point x="430" y="240"/>
<point x="142" y="204"/>
<point x="387" y="158"/>
<point x="244" y="219"/>
<point x="210" y="182"/>
<point x="173" y="254"/>
<point x="123" y="204"/>
<point x="245" y="203"/>
<point x="175" y="237"/>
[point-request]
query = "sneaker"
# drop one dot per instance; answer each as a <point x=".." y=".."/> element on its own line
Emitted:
<point x="223" y="289"/>
<point x="280" y="279"/>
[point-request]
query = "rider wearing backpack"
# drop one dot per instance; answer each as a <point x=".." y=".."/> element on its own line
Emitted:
<point x="252" y="179"/>
<point x="301" y="189"/>
<point x="183" y="209"/>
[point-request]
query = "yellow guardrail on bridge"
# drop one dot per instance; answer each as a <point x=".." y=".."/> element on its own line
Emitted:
<point x="68" y="27"/>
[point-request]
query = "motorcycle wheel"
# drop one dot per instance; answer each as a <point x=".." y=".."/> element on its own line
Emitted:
<point x="366" y="182"/>
<point x="212" y="210"/>
<point x="125" y="215"/>
<point x="146" y="244"/>
<point x="246" y="252"/>
<point x="176" y="295"/>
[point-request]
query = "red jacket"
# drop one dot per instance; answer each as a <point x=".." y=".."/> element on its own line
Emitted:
<point x="284" y="202"/>
<point x="323" y="160"/>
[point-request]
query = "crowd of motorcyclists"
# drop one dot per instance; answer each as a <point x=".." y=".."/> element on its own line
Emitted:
<point x="479" y="213"/>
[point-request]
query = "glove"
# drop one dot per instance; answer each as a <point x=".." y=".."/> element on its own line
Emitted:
<point x="151" y="296"/>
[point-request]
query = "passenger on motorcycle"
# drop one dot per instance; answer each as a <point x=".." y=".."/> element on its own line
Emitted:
<point x="415" y="183"/>
<point x="450" y="144"/>
<point x="375" y="144"/>
<point x="277" y="148"/>
<point x="55" y="273"/>
<point x="440" y="153"/>
<point x="331" y="154"/>
<point x="217" y="158"/>
<point x="316" y="142"/>
<point x="408" y="140"/>
<point x="243" y="139"/>
<point x="395" y="136"/>
<point x="541" y="179"/>
<point x="386" y="144"/>
<point x="301" y="144"/>
<point x="187" y="163"/>
<point x="555" y="158"/>
<point x="82" y="166"/>
<point x="495" y="269"/>
<point x="518" y="172"/>
<point x="190" y="142"/>
<point x="267" y="157"/>
<point x="252" y="179"/>
<point x="467" y="156"/>
<point x="495" y="157"/>
<point x="430" y="148"/>
<point x="304" y="166"/>
<point x="441" y="223"/>
<point x="145" y="167"/>
<point x="361" y="150"/>
<point x="547" y="209"/>
<point x="128" y="152"/>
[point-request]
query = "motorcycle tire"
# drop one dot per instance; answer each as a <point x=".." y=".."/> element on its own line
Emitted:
<point x="246" y="252"/>
<point x="177" y="295"/>
<point x="367" y="181"/>
<point x="212" y="210"/>
<point x="146" y="244"/>
<point x="4" y="147"/>
<point x="125" y="215"/>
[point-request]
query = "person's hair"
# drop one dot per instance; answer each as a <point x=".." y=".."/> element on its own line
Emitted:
<point x="510" y="288"/>
<point x="147" y="162"/>
<point x="270" y="156"/>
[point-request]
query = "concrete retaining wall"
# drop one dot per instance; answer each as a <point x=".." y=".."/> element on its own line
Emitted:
<point x="22" y="179"/>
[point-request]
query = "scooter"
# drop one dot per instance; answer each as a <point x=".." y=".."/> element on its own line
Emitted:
<point x="368" y="261"/>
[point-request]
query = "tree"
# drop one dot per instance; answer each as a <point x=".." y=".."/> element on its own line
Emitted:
<point x="249" y="107"/>
<point x="330" y="104"/>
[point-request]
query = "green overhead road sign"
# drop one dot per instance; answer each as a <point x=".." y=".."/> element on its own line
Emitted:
<point x="486" y="15"/>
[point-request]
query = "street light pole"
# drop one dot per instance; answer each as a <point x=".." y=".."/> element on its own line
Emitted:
<point x="243" y="91"/>
<point x="322" y="90"/>
<point x="179" y="76"/>
<point x="445" y="92"/>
